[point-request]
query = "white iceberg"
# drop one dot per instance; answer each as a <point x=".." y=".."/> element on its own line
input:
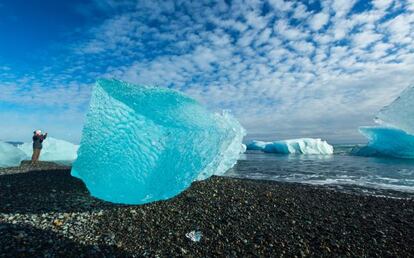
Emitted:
<point x="400" y="113"/>
<point x="293" y="146"/>
<point x="54" y="150"/>
<point x="10" y="156"/>
<point x="243" y="148"/>
<point x="300" y="146"/>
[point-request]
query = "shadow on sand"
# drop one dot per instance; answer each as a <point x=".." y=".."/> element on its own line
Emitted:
<point x="46" y="191"/>
<point x="26" y="241"/>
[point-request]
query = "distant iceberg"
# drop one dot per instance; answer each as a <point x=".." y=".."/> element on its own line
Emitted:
<point x="395" y="134"/>
<point x="142" y="144"/>
<point x="257" y="145"/>
<point x="54" y="150"/>
<point x="300" y="146"/>
<point x="293" y="146"/>
<point x="10" y="156"/>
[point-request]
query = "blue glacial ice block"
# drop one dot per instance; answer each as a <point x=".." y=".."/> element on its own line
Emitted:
<point x="386" y="141"/>
<point x="257" y="145"/>
<point x="142" y="144"/>
<point x="395" y="135"/>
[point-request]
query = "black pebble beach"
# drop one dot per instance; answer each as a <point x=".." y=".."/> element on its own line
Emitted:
<point x="44" y="212"/>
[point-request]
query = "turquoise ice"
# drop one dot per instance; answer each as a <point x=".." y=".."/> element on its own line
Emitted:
<point x="395" y="134"/>
<point x="256" y="145"/>
<point x="141" y="144"/>
<point x="387" y="141"/>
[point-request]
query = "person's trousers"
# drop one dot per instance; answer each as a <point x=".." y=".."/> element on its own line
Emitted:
<point x="36" y="154"/>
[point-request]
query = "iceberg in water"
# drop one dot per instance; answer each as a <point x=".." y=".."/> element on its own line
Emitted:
<point x="293" y="146"/>
<point x="10" y="156"/>
<point x="386" y="141"/>
<point x="54" y="150"/>
<point x="257" y="145"/>
<point x="142" y="144"/>
<point x="300" y="146"/>
<point x="395" y="134"/>
<point x="243" y="148"/>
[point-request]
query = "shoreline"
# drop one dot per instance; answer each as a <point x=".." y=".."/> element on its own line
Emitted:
<point x="342" y="188"/>
<point x="48" y="212"/>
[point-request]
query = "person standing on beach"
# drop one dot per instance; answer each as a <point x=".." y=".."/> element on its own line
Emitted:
<point x="38" y="139"/>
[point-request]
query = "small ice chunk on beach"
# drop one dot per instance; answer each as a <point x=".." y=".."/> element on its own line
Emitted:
<point x="194" y="236"/>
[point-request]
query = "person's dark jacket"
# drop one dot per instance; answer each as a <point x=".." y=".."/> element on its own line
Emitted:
<point x="37" y="141"/>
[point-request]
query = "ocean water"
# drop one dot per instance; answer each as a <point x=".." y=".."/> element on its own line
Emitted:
<point x="341" y="171"/>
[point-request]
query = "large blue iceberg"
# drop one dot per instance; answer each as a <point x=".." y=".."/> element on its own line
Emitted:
<point x="386" y="141"/>
<point x="293" y="146"/>
<point x="141" y="144"/>
<point x="395" y="134"/>
<point x="10" y="156"/>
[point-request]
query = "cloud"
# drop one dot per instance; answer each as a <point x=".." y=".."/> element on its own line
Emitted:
<point x="365" y="38"/>
<point x="318" y="21"/>
<point x="341" y="8"/>
<point x="382" y="4"/>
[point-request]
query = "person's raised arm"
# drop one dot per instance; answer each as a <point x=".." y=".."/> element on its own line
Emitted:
<point x="44" y="136"/>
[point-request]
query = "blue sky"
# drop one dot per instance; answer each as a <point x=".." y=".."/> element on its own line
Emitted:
<point x="285" y="69"/>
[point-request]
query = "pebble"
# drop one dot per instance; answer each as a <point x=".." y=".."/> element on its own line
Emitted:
<point x="48" y="212"/>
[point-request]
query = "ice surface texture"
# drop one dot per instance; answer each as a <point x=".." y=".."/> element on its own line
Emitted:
<point x="243" y="148"/>
<point x="10" y="156"/>
<point x="387" y="141"/>
<point x="257" y="145"/>
<point x="55" y="150"/>
<point x="400" y="113"/>
<point x="395" y="136"/>
<point x="293" y="146"/>
<point x="141" y="144"/>
<point x="299" y="146"/>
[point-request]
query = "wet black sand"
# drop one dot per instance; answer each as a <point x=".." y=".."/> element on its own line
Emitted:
<point x="49" y="213"/>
